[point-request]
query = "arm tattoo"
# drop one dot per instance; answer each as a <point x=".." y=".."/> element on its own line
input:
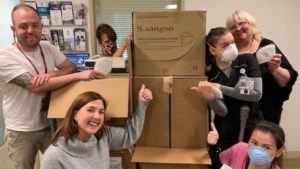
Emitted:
<point x="23" y="80"/>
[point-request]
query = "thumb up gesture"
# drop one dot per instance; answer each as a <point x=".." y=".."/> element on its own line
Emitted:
<point x="145" y="94"/>
<point x="213" y="135"/>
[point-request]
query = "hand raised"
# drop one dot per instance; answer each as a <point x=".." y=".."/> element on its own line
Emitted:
<point x="145" y="94"/>
<point x="205" y="89"/>
<point x="213" y="135"/>
<point x="89" y="75"/>
<point x="275" y="62"/>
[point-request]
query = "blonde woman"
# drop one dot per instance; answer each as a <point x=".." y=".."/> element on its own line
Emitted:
<point x="278" y="74"/>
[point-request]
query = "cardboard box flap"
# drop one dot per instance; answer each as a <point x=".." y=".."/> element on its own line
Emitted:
<point x="115" y="91"/>
<point x="171" y="155"/>
<point x="179" y="38"/>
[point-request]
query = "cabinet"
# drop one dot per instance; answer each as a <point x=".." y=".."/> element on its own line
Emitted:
<point x="67" y="25"/>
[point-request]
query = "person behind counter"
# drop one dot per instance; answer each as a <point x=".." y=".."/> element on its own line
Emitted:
<point x="107" y="38"/>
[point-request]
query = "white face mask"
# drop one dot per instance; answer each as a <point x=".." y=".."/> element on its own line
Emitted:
<point x="103" y="65"/>
<point x="230" y="53"/>
<point x="265" y="54"/>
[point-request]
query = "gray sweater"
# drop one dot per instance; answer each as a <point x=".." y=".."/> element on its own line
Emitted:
<point x="92" y="154"/>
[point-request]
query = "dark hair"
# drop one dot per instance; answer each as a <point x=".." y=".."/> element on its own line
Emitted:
<point x="105" y="29"/>
<point x="69" y="127"/>
<point x="211" y="39"/>
<point x="23" y="6"/>
<point x="274" y="129"/>
<point x="278" y="135"/>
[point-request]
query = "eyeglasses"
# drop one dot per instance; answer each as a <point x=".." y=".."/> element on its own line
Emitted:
<point x="238" y="25"/>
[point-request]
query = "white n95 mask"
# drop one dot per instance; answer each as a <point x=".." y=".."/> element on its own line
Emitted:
<point x="230" y="53"/>
<point x="103" y="65"/>
<point x="224" y="166"/>
<point x="265" y="54"/>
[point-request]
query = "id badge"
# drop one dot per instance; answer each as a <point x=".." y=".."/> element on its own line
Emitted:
<point x="246" y="85"/>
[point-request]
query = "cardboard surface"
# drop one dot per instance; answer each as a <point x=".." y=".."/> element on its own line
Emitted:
<point x="114" y="89"/>
<point x="189" y="119"/>
<point x="177" y="116"/>
<point x="171" y="155"/>
<point x="128" y="64"/>
<point x="169" y="43"/>
<point x="172" y="166"/>
<point x="156" y="127"/>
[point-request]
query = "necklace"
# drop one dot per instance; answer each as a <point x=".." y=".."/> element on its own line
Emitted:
<point x="43" y="57"/>
<point x="246" y="50"/>
<point x="249" y="48"/>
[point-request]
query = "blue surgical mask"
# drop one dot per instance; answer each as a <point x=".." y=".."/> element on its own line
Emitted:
<point x="259" y="156"/>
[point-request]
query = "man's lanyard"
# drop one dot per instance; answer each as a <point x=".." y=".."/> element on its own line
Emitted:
<point x="42" y="53"/>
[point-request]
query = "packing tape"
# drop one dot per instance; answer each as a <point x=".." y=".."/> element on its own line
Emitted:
<point x="168" y="84"/>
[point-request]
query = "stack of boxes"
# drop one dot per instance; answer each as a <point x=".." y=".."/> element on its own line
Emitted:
<point x="168" y="56"/>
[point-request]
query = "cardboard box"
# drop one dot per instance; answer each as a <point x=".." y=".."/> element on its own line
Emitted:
<point x="172" y="166"/>
<point x="177" y="116"/>
<point x="121" y="159"/>
<point x="114" y="89"/>
<point x="156" y="127"/>
<point x="176" y="124"/>
<point x="169" y="43"/>
<point x="175" y="158"/>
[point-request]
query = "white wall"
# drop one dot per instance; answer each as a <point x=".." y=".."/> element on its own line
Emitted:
<point x="279" y="21"/>
<point x="6" y="33"/>
<point x="6" y="38"/>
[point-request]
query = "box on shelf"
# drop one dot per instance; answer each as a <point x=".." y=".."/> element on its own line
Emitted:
<point x="114" y="89"/>
<point x="169" y="43"/>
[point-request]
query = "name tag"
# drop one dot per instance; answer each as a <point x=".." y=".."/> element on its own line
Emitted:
<point x="246" y="85"/>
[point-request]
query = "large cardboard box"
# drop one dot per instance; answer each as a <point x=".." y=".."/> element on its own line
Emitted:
<point x="175" y="129"/>
<point x="156" y="127"/>
<point x="114" y="89"/>
<point x="171" y="158"/>
<point x="169" y="43"/>
<point x="177" y="116"/>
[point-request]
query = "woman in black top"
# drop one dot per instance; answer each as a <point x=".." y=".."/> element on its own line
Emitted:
<point x="239" y="80"/>
<point x="278" y="75"/>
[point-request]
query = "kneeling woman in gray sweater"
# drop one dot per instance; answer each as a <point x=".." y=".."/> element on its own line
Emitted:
<point x="83" y="141"/>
